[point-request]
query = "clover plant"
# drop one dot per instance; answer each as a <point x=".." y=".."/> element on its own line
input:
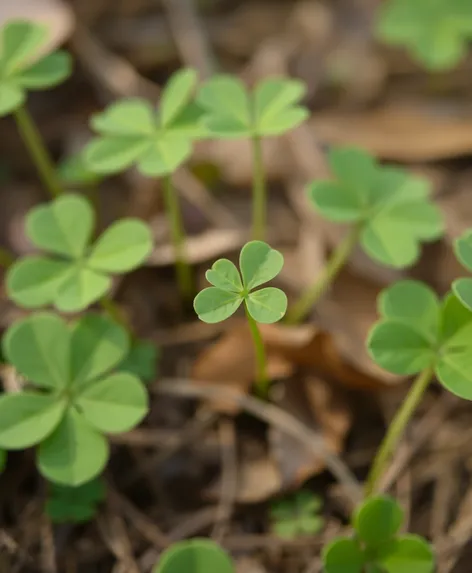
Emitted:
<point x="389" y="211"/>
<point x="259" y="264"/>
<point x="297" y="515"/>
<point x="74" y="504"/>
<point x="271" y="109"/>
<point x="436" y="32"/>
<point x="376" y="546"/>
<point x="463" y="287"/>
<point x="196" y="556"/>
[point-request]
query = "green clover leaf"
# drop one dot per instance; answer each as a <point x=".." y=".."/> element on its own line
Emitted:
<point x="299" y="515"/>
<point x="196" y="555"/>
<point x="259" y="263"/>
<point x="232" y="111"/>
<point x="72" y="398"/>
<point x="436" y="33"/>
<point x="74" y="504"/>
<point x="73" y="170"/>
<point x="378" y="521"/>
<point x="462" y="287"/>
<point x="73" y="274"/>
<point x="417" y="331"/>
<point x="132" y="132"/>
<point x="343" y="555"/>
<point x="20" y="67"/>
<point x="390" y="208"/>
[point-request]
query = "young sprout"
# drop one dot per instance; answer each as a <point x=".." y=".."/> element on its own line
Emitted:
<point x="389" y="211"/>
<point x="259" y="263"/>
<point x="436" y="33"/>
<point x="24" y="67"/>
<point x="74" y="504"/>
<point x="418" y="334"/>
<point x="195" y="555"/>
<point x="71" y="399"/>
<point x="157" y="141"/>
<point x="376" y="545"/>
<point x="233" y="112"/>
<point x="72" y="274"/>
<point x="297" y="515"/>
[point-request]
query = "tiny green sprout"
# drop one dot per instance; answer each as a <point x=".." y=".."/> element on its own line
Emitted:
<point x="273" y="108"/>
<point x="376" y="546"/>
<point x="195" y="555"/>
<point x="21" y="68"/>
<point x="462" y="287"/>
<point x="297" y="515"/>
<point x="259" y="263"/>
<point x="389" y="211"/>
<point x="435" y="32"/>
<point x="71" y="399"/>
<point x="73" y="274"/>
<point x="142" y="360"/>
<point x="74" y="504"/>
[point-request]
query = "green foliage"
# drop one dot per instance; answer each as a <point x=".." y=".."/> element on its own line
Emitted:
<point x="390" y="207"/>
<point x="417" y="331"/>
<point x="73" y="170"/>
<point x="297" y="515"/>
<point x="232" y="111"/>
<point x="259" y="263"/>
<point x="376" y="546"/>
<point x="142" y="360"/>
<point x="72" y="398"/>
<point x="132" y="132"/>
<point x="75" y="504"/>
<point x="463" y="287"/>
<point x="196" y="556"/>
<point x="436" y="32"/>
<point x="73" y="274"/>
<point x="20" y="67"/>
<point x="3" y="460"/>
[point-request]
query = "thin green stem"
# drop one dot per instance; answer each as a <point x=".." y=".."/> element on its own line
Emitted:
<point x="259" y="191"/>
<point x="38" y="151"/>
<point x="184" y="275"/>
<point x="397" y="428"/>
<point x="313" y="293"/>
<point x="262" y="380"/>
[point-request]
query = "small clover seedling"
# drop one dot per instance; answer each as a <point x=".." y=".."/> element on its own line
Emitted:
<point x="389" y="210"/>
<point x="259" y="263"/>
<point x="74" y="504"/>
<point x="233" y="112"/>
<point x="73" y="274"/>
<point x="298" y="515"/>
<point x="195" y="555"/>
<point x="376" y="546"/>
<point x="71" y="399"/>
<point x="463" y="287"/>
<point x="435" y="32"/>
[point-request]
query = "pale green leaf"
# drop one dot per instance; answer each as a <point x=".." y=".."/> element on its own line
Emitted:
<point x="227" y="97"/>
<point x="285" y="121"/>
<point x="267" y="305"/>
<point x="194" y="556"/>
<point x="335" y="202"/>
<point x="80" y="289"/>
<point x="214" y="305"/>
<point x="177" y="94"/>
<point x="225" y="276"/>
<point x="355" y="168"/>
<point x="463" y="249"/>
<point x="389" y="243"/>
<point x="463" y="290"/>
<point x="20" y="40"/>
<point x="274" y="104"/>
<point x="226" y="127"/>
<point x="11" y="97"/>
<point x="111" y="154"/>
<point x="133" y="118"/>
<point x="164" y="154"/>
<point x="47" y="73"/>
<point x="456" y="320"/>
<point x="259" y="263"/>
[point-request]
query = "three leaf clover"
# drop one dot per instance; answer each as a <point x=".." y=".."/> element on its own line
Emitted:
<point x="259" y="263"/>
<point x="132" y="132"/>
<point x="462" y="287"/>
<point x="418" y="331"/>
<point x="376" y="545"/>
<point x="435" y="32"/>
<point x="232" y="111"/>
<point x="390" y="208"/>
<point x="299" y="515"/>
<point x="20" y="68"/>
<point x="71" y="399"/>
<point x="75" y="504"/>
<point x="196" y="555"/>
<point x="73" y="274"/>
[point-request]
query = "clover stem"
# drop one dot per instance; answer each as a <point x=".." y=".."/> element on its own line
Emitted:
<point x="261" y="381"/>
<point x="33" y="141"/>
<point x="184" y="276"/>
<point x="396" y="428"/>
<point x="335" y="263"/>
<point x="259" y="191"/>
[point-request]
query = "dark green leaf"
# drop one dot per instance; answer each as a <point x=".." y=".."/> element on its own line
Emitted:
<point x="343" y="556"/>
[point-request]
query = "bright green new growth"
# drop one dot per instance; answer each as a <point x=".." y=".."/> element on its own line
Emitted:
<point x="20" y="67"/>
<point x="74" y="274"/>
<point x="298" y="515"/>
<point x="195" y="556"/>
<point x="462" y="288"/>
<point x="75" y="504"/>
<point x="156" y="140"/>
<point x="71" y="399"/>
<point x="376" y="545"/>
<point x="390" y="207"/>
<point x="435" y="32"/>
<point x="417" y="331"/>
